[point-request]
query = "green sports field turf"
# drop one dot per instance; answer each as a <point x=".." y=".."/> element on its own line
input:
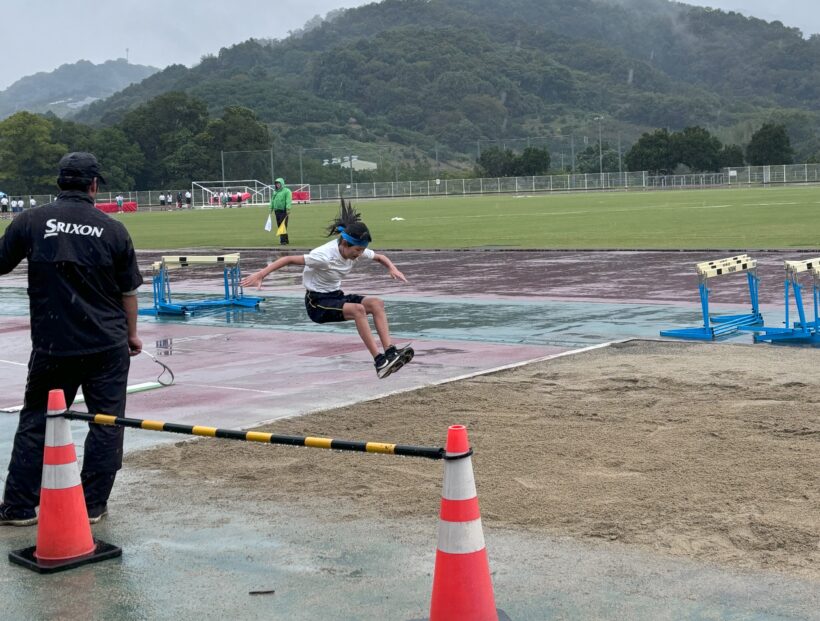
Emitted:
<point x="694" y="219"/>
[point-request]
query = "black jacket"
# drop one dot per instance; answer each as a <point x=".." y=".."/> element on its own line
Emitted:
<point x="80" y="262"/>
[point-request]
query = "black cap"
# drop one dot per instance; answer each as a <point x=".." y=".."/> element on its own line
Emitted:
<point x="80" y="165"/>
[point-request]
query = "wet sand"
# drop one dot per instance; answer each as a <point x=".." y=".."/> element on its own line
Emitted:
<point x="693" y="450"/>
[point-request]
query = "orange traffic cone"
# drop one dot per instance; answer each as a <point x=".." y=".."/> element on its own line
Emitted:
<point x="462" y="587"/>
<point x="63" y="533"/>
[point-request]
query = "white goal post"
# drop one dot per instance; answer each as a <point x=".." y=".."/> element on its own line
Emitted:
<point x="239" y="192"/>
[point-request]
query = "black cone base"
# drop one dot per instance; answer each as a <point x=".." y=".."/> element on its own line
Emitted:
<point x="26" y="558"/>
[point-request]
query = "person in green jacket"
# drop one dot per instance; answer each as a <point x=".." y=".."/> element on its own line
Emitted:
<point x="280" y="203"/>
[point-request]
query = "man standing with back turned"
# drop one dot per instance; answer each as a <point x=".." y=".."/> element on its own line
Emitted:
<point x="82" y="287"/>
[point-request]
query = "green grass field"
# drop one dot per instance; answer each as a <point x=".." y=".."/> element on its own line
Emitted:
<point x="694" y="219"/>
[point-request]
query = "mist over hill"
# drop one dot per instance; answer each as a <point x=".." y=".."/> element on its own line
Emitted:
<point x="70" y="87"/>
<point x="457" y="71"/>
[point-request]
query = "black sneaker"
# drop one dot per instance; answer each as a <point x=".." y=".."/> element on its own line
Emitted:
<point x="95" y="514"/>
<point x="381" y="362"/>
<point x="396" y="358"/>
<point x="17" y="517"/>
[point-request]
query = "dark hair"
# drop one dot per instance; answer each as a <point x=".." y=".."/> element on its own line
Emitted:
<point x="351" y="221"/>
<point x="81" y="184"/>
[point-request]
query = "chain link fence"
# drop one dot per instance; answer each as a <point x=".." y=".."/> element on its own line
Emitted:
<point x="729" y="177"/>
<point x="747" y="176"/>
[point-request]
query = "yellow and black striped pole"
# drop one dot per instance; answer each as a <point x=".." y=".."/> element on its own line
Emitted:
<point x="259" y="436"/>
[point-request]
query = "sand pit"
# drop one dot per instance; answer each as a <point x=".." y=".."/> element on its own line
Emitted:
<point x="687" y="449"/>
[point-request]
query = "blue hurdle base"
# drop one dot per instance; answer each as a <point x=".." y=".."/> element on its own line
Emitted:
<point x="785" y="336"/>
<point x="190" y="308"/>
<point x="727" y="326"/>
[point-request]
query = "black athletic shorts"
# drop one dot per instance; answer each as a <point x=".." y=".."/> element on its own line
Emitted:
<point x="327" y="307"/>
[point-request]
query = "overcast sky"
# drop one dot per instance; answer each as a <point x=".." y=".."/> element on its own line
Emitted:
<point x="803" y="14"/>
<point x="41" y="35"/>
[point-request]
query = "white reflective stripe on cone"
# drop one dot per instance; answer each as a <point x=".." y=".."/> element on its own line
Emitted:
<point x="459" y="483"/>
<point x="61" y="477"/>
<point x="460" y="537"/>
<point x="58" y="433"/>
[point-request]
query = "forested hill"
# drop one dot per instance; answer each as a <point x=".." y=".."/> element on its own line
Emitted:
<point x="455" y="71"/>
<point x="70" y="87"/>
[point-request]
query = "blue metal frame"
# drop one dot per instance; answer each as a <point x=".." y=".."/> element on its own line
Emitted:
<point x="724" y="325"/>
<point x="801" y="331"/>
<point x="163" y="304"/>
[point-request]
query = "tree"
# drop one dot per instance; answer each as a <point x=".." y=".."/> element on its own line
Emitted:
<point x="486" y="112"/>
<point x="238" y="130"/>
<point x="28" y="155"/>
<point x="696" y="148"/>
<point x="75" y="136"/>
<point x="496" y="162"/>
<point x="731" y="155"/>
<point x="120" y="159"/>
<point x="534" y="161"/>
<point x="588" y="160"/>
<point x="160" y="127"/>
<point x="769" y="145"/>
<point x="652" y="152"/>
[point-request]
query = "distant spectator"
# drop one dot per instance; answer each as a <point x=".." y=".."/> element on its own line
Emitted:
<point x="224" y="198"/>
<point x="162" y="200"/>
<point x="188" y="199"/>
<point x="239" y="199"/>
<point x="4" y="207"/>
<point x="32" y="203"/>
<point x="120" y="201"/>
<point x="280" y="202"/>
<point x="179" y="200"/>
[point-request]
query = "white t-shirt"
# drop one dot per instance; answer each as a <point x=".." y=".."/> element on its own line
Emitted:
<point x="32" y="203"/>
<point x="325" y="268"/>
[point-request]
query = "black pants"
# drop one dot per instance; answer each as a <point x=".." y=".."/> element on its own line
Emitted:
<point x="280" y="216"/>
<point x="104" y="379"/>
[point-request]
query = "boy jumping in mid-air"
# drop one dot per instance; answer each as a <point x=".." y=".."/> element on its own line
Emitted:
<point x="325" y="267"/>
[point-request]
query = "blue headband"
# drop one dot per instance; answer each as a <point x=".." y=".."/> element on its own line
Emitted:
<point x="350" y="239"/>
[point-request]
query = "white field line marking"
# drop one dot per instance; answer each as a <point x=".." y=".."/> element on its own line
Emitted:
<point x="264" y="392"/>
<point x="581" y="212"/>
<point x="19" y="364"/>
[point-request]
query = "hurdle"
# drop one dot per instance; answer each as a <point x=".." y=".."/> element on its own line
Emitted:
<point x="801" y="331"/>
<point x="232" y="274"/>
<point x="724" y="325"/>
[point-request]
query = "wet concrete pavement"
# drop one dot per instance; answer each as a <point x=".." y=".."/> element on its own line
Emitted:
<point x="466" y="312"/>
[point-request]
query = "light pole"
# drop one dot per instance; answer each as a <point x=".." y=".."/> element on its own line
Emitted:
<point x="301" y="172"/>
<point x="600" y="149"/>
<point x="222" y="157"/>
